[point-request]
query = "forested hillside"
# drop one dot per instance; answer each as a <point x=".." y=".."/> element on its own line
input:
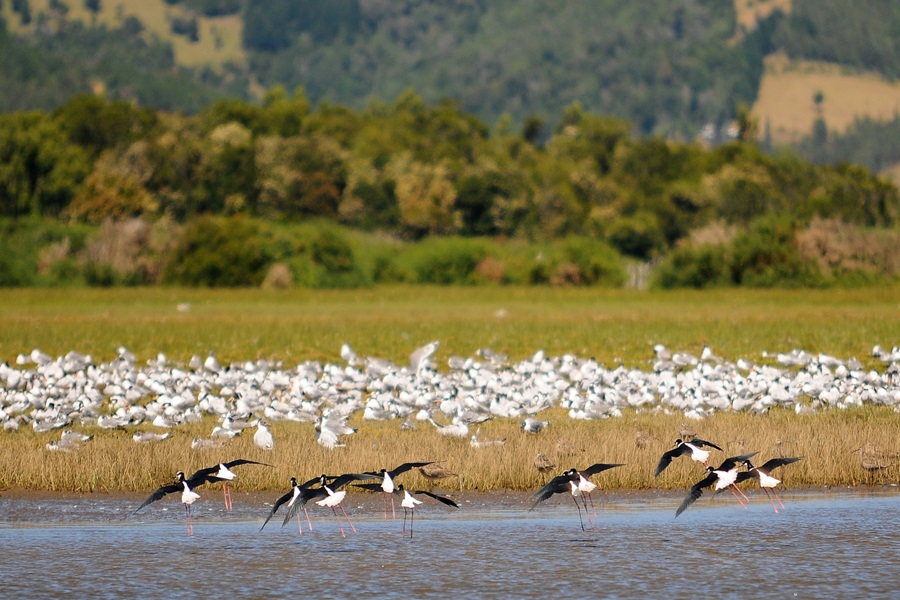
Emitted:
<point x="670" y="67"/>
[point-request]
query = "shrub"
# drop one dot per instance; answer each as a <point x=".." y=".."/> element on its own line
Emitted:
<point x="694" y="266"/>
<point x="218" y="252"/>
<point x="766" y="255"/>
<point x="443" y="261"/>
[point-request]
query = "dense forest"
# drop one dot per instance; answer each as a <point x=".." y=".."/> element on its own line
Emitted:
<point x="277" y="193"/>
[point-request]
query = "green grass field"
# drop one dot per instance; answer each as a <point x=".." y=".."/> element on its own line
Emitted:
<point x="613" y="326"/>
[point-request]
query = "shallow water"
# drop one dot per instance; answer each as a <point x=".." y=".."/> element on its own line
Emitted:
<point x="834" y="544"/>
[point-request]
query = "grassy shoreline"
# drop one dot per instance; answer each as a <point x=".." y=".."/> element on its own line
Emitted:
<point x="615" y="326"/>
<point x="828" y="442"/>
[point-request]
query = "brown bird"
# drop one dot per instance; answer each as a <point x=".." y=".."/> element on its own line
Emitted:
<point x="544" y="464"/>
<point x="434" y="471"/>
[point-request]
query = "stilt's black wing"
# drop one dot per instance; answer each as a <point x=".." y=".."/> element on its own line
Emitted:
<point x="667" y="457"/>
<point x="599" y="467"/>
<point x="276" y="506"/>
<point x="160" y="493"/>
<point x="446" y="501"/>
<point x="695" y="492"/>
<point x="700" y="443"/>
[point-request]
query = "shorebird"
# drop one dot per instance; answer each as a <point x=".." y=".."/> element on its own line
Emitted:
<point x="188" y="497"/>
<point x="305" y="492"/>
<point x="296" y="493"/>
<point x="532" y="425"/>
<point x="586" y="486"/>
<point x="435" y="471"/>
<point x="723" y="477"/>
<point x="222" y="472"/>
<point x="387" y="482"/>
<point x="763" y="475"/>
<point x="693" y="448"/>
<point x="334" y="499"/>
<point x="567" y="482"/>
<point x="410" y="502"/>
<point x="543" y="463"/>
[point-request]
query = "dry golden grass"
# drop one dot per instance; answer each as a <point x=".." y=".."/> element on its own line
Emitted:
<point x="785" y="100"/>
<point x="828" y="442"/>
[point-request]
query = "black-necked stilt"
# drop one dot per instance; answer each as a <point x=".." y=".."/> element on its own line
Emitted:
<point x="222" y="472"/>
<point x="723" y="477"/>
<point x="561" y="484"/>
<point x="763" y="475"/>
<point x="328" y="485"/>
<point x="292" y="494"/>
<point x="586" y="486"/>
<point x="387" y="482"/>
<point x="694" y="448"/>
<point x="409" y="503"/>
<point x="188" y="497"/>
<point x="333" y="499"/>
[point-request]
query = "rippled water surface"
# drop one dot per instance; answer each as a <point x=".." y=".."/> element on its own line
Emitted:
<point x="843" y="544"/>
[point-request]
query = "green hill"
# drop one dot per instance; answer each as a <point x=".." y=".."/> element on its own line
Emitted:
<point x="674" y="68"/>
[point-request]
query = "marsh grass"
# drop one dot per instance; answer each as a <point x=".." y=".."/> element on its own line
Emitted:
<point x="113" y="462"/>
<point x="615" y="327"/>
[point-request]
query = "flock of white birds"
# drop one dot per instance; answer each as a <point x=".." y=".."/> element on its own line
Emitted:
<point x="62" y="393"/>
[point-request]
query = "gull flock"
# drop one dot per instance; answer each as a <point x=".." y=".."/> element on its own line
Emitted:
<point x="57" y="393"/>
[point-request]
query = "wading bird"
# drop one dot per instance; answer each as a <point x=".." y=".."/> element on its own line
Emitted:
<point x="723" y="477"/>
<point x="694" y="448"/>
<point x="586" y="486"/>
<point x="567" y="482"/>
<point x="387" y="482"/>
<point x="305" y="492"/>
<point x="188" y="497"/>
<point x="409" y="503"/>
<point x="295" y="494"/>
<point x="222" y="472"/>
<point x="763" y="475"/>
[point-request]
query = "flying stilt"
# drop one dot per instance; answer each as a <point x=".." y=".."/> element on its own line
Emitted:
<point x="586" y="486"/>
<point x="723" y="477"/>
<point x="567" y="482"/>
<point x="188" y="497"/>
<point x="387" y="482"/>
<point x="694" y="448"/>
<point x="328" y="487"/>
<point x="222" y="472"/>
<point x="763" y="475"/>
<point x="410" y="502"/>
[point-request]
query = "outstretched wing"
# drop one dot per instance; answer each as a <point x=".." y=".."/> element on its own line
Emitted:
<point x="700" y="443"/>
<point x="160" y="493"/>
<point x="599" y="467"/>
<point x="695" y="492"/>
<point x="732" y="461"/>
<point x="244" y="461"/>
<point x="300" y="501"/>
<point x="774" y="463"/>
<point x="342" y="480"/>
<point x="548" y="492"/>
<point x="370" y="487"/>
<point x="667" y="457"/>
<point x="406" y="467"/>
<point x="276" y="506"/>
<point x="446" y="501"/>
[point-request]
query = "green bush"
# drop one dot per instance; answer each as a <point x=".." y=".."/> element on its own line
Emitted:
<point x="325" y="255"/>
<point x="443" y="261"/>
<point x="597" y="262"/>
<point x="218" y="252"/>
<point x="767" y="256"/>
<point x="696" y="267"/>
